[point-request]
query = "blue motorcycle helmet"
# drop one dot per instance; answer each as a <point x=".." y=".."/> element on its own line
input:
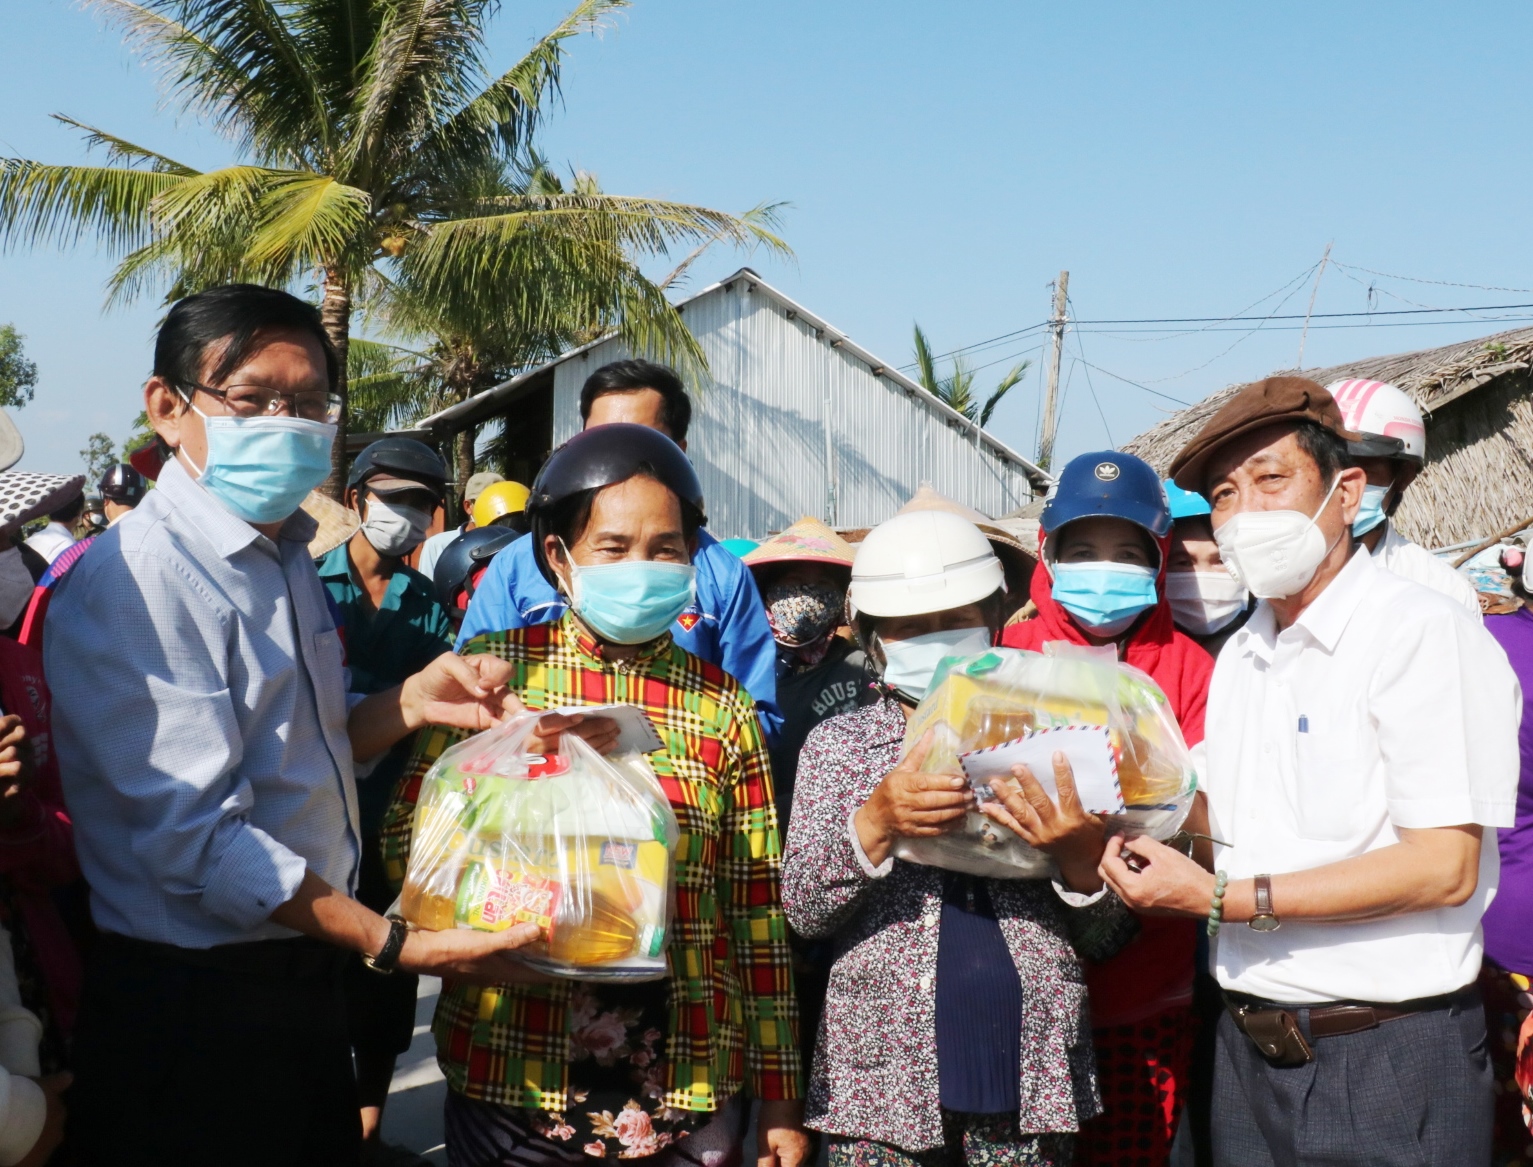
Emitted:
<point x="1108" y="485"/>
<point x="1106" y="596"/>
<point x="1185" y="504"/>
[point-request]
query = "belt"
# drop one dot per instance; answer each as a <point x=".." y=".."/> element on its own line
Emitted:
<point x="1344" y="1017"/>
<point x="297" y="958"/>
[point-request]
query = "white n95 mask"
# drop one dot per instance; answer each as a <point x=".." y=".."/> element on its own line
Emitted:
<point x="1274" y="553"/>
<point x="1203" y="602"/>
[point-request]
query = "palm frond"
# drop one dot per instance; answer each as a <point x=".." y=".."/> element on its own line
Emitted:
<point x="424" y="59"/>
<point x="763" y="221"/>
<point x="506" y="110"/>
<point x="237" y="63"/>
<point x="59" y="204"/>
<point x="121" y="150"/>
<point x="1007" y="383"/>
<point x="926" y="365"/>
<point x="307" y="219"/>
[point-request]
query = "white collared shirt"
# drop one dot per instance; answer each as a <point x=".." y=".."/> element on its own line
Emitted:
<point x="1385" y="705"/>
<point x="1414" y="562"/>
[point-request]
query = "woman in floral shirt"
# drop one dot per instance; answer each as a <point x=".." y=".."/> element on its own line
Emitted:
<point x="956" y="1026"/>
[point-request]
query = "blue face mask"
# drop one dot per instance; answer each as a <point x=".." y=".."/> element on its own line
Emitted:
<point x="909" y="665"/>
<point x="633" y="601"/>
<point x="1370" y="512"/>
<point x="262" y="468"/>
<point x="1105" y="597"/>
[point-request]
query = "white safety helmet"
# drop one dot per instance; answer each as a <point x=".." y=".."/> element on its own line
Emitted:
<point x="1388" y="420"/>
<point x="923" y="561"/>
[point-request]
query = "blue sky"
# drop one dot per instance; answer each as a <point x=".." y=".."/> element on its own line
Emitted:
<point x="944" y="161"/>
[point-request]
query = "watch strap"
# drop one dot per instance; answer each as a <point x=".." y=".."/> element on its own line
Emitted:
<point x="387" y="958"/>
<point x="1263" y="896"/>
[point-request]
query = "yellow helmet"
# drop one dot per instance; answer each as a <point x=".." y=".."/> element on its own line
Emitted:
<point x="499" y="498"/>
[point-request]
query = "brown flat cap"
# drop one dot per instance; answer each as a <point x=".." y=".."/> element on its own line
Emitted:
<point x="1258" y="404"/>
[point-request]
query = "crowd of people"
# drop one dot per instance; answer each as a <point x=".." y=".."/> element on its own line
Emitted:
<point x="221" y="693"/>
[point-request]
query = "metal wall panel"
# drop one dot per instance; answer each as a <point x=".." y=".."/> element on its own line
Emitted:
<point x="793" y="424"/>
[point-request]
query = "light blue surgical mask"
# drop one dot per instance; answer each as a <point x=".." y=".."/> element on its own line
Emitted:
<point x="1105" y="597"/>
<point x="633" y="601"/>
<point x="910" y="664"/>
<point x="261" y="468"/>
<point x="1370" y="512"/>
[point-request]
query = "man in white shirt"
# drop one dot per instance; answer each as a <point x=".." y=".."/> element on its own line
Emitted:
<point x="1362" y="734"/>
<point x="54" y="539"/>
<point x="1390" y="447"/>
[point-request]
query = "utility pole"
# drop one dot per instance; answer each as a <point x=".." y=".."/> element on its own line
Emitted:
<point x="1057" y="327"/>
<point x="1315" y="291"/>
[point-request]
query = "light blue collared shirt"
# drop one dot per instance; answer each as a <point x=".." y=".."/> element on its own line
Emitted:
<point x="199" y="706"/>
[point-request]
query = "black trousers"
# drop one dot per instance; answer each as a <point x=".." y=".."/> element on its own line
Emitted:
<point x="1414" y="1092"/>
<point x="231" y="1055"/>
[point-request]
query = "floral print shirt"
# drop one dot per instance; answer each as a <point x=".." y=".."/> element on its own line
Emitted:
<point x="875" y="1064"/>
<point x="616" y="1107"/>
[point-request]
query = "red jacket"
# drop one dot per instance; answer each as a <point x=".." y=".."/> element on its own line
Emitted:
<point x="37" y="854"/>
<point x="1154" y="972"/>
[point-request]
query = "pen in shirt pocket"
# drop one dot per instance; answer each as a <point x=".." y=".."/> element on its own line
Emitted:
<point x="1303" y="723"/>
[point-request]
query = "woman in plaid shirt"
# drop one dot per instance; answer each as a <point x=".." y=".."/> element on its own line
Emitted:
<point x="556" y="1071"/>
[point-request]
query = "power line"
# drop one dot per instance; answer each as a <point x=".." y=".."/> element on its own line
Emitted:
<point x="1081" y="349"/>
<point x="1440" y="283"/>
<point x="1135" y="384"/>
<point x="1300" y="315"/>
<point x="1360" y="324"/>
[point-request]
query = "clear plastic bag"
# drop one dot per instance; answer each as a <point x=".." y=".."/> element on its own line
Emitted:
<point x="1003" y="694"/>
<point x="579" y="844"/>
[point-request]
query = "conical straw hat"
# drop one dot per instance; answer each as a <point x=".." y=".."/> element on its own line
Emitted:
<point x="806" y="541"/>
<point x="336" y="523"/>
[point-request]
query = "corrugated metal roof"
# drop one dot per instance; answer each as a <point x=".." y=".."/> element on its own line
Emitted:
<point x="799" y="419"/>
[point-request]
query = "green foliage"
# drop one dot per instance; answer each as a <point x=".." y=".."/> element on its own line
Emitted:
<point x="379" y="152"/>
<point x="956" y="390"/>
<point x="142" y="435"/>
<point x="99" y="455"/>
<point x="18" y="375"/>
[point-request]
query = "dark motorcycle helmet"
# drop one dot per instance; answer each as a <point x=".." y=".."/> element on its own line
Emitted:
<point x="403" y="460"/>
<point x="606" y="455"/>
<point x="123" y="484"/>
<point x="461" y="558"/>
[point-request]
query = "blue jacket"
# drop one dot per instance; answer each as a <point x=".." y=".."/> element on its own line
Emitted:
<point x="726" y="624"/>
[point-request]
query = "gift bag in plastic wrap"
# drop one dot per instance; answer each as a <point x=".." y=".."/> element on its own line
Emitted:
<point x="1007" y="703"/>
<point x="579" y="844"/>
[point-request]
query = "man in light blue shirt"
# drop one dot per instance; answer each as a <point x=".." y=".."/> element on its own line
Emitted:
<point x="726" y="623"/>
<point x="206" y="737"/>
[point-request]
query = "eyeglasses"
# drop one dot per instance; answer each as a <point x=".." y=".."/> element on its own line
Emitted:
<point x="261" y="401"/>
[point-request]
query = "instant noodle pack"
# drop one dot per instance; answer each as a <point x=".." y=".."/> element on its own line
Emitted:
<point x="579" y="844"/>
<point x="1005" y="695"/>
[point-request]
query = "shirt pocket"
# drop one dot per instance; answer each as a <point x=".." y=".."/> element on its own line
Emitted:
<point x="1331" y="779"/>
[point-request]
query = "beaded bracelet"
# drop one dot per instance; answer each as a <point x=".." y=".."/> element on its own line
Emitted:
<point x="1216" y="907"/>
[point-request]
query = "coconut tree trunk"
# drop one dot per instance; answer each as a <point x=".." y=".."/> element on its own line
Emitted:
<point x="335" y="315"/>
<point x="465" y="458"/>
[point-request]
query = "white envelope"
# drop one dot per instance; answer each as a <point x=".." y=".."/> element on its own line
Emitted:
<point x="637" y="732"/>
<point x="1086" y="746"/>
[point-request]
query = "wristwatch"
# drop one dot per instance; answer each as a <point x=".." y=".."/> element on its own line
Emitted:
<point x="1265" y="919"/>
<point x="388" y="956"/>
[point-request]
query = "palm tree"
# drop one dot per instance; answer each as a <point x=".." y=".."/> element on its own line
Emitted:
<point x="454" y="346"/>
<point x="956" y="390"/>
<point x="372" y="135"/>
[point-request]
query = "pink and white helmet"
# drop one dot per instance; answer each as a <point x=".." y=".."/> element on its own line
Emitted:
<point x="1388" y="420"/>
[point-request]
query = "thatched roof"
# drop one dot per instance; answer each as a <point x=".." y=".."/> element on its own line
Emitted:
<point x="1433" y="377"/>
<point x="1479" y="473"/>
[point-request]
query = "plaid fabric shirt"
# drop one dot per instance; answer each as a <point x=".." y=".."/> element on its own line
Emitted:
<point x="733" y="1016"/>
